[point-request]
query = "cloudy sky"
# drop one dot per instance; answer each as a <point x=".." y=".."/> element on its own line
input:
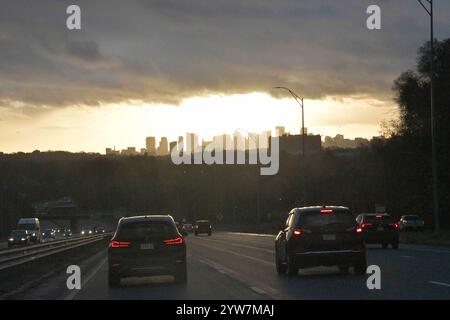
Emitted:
<point x="164" y="67"/>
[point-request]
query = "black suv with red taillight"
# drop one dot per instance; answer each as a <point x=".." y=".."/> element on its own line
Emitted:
<point x="146" y="246"/>
<point x="378" y="228"/>
<point x="320" y="236"/>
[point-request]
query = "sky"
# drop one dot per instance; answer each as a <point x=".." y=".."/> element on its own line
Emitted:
<point x="142" y="68"/>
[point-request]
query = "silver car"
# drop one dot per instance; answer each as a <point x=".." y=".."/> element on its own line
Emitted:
<point x="411" y="222"/>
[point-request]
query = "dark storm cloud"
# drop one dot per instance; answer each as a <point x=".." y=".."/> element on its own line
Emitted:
<point x="165" y="50"/>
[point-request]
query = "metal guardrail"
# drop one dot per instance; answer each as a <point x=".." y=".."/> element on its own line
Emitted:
<point x="13" y="257"/>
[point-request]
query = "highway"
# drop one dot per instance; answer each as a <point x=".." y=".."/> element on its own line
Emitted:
<point x="235" y="266"/>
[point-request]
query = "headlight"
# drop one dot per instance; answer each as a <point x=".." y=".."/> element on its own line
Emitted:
<point x="34" y="234"/>
<point x="11" y="239"/>
<point x="82" y="232"/>
<point x="90" y="231"/>
<point x="23" y="239"/>
<point x="43" y="234"/>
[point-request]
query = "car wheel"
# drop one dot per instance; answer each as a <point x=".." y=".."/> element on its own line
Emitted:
<point x="385" y="245"/>
<point x="181" y="274"/>
<point x="281" y="268"/>
<point x="113" y="280"/>
<point x="343" y="269"/>
<point x="394" y="245"/>
<point x="361" y="266"/>
<point x="291" y="268"/>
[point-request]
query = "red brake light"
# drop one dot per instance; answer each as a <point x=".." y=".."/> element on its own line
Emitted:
<point x="364" y="225"/>
<point x="178" y="240"/>
<point x="359" y="230"/>
<point x="378" y="216"/>
<point x="326" y="211"/>
<point x="297" y="232"/>
<point x="119" y="244"/>
<point x="394" y="225"/>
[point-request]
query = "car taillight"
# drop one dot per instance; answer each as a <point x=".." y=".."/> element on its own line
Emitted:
<point x="359" y="230"/>
<point x="394" y="225"/>
<point x="178" y="240"/>
<point x="365" y="225"/>
<point x="120" y="244"/>
<point x="297" y="232"/>
<point x="326" y="211"/>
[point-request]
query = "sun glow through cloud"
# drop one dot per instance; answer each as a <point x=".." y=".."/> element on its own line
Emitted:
<point x="121" y="125"/>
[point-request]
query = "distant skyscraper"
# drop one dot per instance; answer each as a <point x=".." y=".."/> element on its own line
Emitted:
<point x="150" y="143"/>
<point x="279" y="131"/>
<point x="163" y="148"/>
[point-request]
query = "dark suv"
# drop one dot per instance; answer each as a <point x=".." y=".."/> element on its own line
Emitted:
<point x="146" y="246"/>
<point x="320" y="236"/>
<point x="378" y="228"/>
<point x="202" y="226"/>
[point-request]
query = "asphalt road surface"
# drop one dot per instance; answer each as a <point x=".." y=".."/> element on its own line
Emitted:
<point x="237" y="266"/>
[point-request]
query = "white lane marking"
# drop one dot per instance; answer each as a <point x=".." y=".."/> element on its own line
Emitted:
<point x="440" y="283"/>
<point x="221" y="271"/>
<point x="242" y="246"/>
<point x="258" y="290"/>
<point x="253" y="234"/>
<point x="73" y="293"/>
<point x="239" y="277"/>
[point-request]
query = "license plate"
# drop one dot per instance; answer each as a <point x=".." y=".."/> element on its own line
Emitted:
<point x="147" y="246"/>
<point x="380" y="229"/>
<point x="329" y="237"/>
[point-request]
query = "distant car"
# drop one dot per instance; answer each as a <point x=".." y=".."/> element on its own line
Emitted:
<point x="100" y="230"/>
<point x="87" y="232"/>
<point x="19" y="237"/>
<point x="379" y="228"/>
<point x="66" y="233"/>
<point x="145" y="246"/>
<point x="320" y="236"/>
<point x="48" y="234"/>
<point x="188" y="227"/>
<point x="411" y="222"/>
<point x="33" y="226"/>
<point x="202" y="226"/>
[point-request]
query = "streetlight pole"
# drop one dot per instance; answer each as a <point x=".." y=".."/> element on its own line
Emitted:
<point x="302" y="132"/>
<point x="435" y="181"/>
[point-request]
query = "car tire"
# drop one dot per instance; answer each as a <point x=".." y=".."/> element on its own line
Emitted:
<point x="113" y="280"/>
<point x="291" y="268"/>
<point x="181" y="274"/>
<point x="343" y="269"/>
<point x="394" y="245"/>
<point x="279" y="266"/>
<point x="360" y="267"/>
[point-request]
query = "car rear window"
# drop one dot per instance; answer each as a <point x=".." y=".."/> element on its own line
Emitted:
<point x="375" y="219"/>
<point x="144" y="229"/>
<point x="203" y="223"/>
<point x="317" y="219"/>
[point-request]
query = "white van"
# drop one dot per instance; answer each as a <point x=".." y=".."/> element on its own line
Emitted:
<point x="33" y="226"/>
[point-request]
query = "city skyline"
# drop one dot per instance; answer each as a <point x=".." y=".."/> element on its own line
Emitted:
<point x="163" y="146"/>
